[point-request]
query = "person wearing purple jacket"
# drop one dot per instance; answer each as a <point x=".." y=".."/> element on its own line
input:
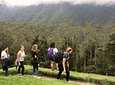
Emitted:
<point x="52" y="46"/>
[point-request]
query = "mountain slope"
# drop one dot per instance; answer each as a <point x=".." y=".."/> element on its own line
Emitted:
<point x="55" y="13"/>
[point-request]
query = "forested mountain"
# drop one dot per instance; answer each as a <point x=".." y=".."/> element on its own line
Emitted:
<point x="55" y="13"/>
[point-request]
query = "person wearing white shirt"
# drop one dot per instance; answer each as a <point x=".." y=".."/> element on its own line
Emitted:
<point x="52" y="45"/>
<point x="4" y="56"/>
<point x="20" y="58"/>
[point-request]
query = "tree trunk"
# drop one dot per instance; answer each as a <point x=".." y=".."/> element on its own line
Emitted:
<point x="84" y="65"/>
<point x="90" y="53"/>
<point x="76" y="60"/>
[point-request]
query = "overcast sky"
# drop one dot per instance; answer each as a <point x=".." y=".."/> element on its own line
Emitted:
<point x="30" y="2"/>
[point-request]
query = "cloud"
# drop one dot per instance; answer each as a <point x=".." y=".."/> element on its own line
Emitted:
<point x="31" y="2"/>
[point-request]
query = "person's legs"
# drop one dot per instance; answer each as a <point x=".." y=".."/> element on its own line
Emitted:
<point x="22" y="68"/>
<point x="6" y="71"/>
<point x="57" y="66"/>
<point x="19" y="69"/>
<point x="33" y="70"/>
<point x="16" y="67"/>
<point x="52" y="64"/>
<point x="60" y="69"/>
<point x="6" y="66"/>
<point x="37" y="69"/>
<point x="67" y="74"/>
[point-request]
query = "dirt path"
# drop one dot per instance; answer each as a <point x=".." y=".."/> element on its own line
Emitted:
<point x="73" y="81"/>
<point x="79" y="82"/>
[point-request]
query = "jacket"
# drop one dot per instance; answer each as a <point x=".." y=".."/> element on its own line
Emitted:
<point x="5" y="63"/>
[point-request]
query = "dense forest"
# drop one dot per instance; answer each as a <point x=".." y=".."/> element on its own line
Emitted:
<point x="54" y="13"/>
<point x="93" y="46"/>
<point x="88" y="29"/>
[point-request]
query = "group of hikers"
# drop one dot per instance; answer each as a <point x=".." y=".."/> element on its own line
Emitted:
<point x="61" y="59"/>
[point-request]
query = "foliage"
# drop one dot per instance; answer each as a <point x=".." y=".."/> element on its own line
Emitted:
<point x="93" y="48"/>
<point x="55" y="13"/>
<point x="94" y="78"/>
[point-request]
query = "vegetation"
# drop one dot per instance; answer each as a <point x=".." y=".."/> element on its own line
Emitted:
<point x="28" y="80"/>
<point x="93" y="46"/>
<point x="94" y="78"/>
<point x="54" y="14"/>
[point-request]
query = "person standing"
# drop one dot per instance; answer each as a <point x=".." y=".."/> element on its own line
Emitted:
<point x="16" y="63"/>
<point x="4" y="57"/>
<point x="52" y="46"/>
<point x="64" y="65"/>
<point x="20" y="58"/>
<point x="35" y="60"/>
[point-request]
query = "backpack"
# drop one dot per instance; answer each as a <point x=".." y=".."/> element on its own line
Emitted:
<point x="50" y="53"/>
<point x="59" y="56"/>
<point x="16" y="62"/>
<point x="32" y="60"/>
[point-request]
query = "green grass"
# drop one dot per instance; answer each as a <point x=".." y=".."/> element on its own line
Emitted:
<point x="28" y="80"/>
<point x="94" y="78"/>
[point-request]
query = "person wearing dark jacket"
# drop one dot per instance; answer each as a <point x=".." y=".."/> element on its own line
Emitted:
<point x="5" y="60"/>
<point x="35" y="61"/>
<point x="64" y="65"/>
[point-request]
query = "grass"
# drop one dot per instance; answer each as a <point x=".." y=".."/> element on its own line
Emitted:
<point x="28" y="80"/>
<point x="94" y="78"/>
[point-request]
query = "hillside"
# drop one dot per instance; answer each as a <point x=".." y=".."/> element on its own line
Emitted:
<point x="55" y="13"/>
<point x="86" y="78"/>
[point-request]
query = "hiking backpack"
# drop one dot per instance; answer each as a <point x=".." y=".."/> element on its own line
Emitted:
<point x="59" y="56"/>
<point x="16" y="62"/>
<point x="32" y="60"/>
<point x="50" y="53"/>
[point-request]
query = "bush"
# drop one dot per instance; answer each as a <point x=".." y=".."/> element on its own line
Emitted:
<point x="90" y="69"/>
<point x="45" y="64"/>
<point x="27" y="59"/>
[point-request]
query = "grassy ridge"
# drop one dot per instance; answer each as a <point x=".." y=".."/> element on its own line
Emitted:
<point x="94" y="78"/>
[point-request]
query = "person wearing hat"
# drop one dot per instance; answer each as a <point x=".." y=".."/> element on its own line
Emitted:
<point x="64" y="65"/>
<point x="20" y="58"/>
<point x="5" y="60"/>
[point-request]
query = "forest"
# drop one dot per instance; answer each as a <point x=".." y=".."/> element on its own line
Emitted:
<point x="54" y="14"/>
<point x="93" y="45"/>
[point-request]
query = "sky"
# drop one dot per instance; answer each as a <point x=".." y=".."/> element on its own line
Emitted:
<point x="31" y="2"/>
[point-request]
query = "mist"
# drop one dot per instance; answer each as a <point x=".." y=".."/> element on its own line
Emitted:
<point x="37" y="2"/>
